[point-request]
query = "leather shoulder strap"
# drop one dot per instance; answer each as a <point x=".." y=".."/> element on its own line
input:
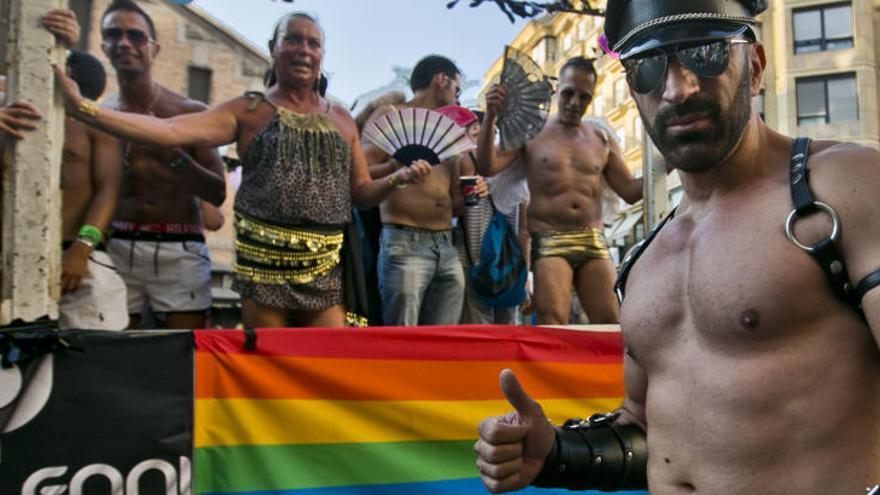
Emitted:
<point x="825" y="252"/>
<point x="634" y="253"/>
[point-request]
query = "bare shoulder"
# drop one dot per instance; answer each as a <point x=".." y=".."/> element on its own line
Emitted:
<point x="176" y="102"/>
<point x="343" y="121"/>
<point x="381" y="110"/>
<point x="846" y="176"/>
<point x="845" y="171"/>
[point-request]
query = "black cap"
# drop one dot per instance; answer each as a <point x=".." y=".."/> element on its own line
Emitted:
<point x="633" y="26"/>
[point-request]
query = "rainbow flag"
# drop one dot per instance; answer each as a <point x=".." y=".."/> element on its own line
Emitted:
<point x="378" y="410"/>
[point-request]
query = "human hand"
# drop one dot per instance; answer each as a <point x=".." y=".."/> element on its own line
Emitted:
<point x="528" y="305"/>
<point x="74" y="265"/>
<point x="495" y="100"/>
<point x="18" y="117"/>
<point x="416" y="173"/>
<point x="69" y="90"/>
<point x="512" y="448"/>
<point x="62" y="23"/>
<point x="481" y="188"/>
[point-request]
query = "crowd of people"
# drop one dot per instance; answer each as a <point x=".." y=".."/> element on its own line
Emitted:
<point x="750" y="316"/>
<point x="142" y="180"/>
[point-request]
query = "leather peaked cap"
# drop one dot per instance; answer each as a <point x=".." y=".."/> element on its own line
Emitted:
<point x="634" y="26"/>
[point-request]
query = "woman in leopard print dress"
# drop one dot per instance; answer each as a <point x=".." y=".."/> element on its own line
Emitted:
<point x="303" y="167"/>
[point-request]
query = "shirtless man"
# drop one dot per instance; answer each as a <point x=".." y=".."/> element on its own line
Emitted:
<point x="93" y="293"/>
<point x="157" y="243"/>
<point x="421" y="281"/>
<point x="748" y="371"/>
<point x="565" y="165"/>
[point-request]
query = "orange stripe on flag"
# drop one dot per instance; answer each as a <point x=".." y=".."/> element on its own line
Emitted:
<point x="225" y="376"/>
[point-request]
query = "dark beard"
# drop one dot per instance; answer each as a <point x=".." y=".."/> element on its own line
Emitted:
<point x="703" y="149"/>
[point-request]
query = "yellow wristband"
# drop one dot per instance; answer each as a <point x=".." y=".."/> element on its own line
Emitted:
<point x="87" y="107"/>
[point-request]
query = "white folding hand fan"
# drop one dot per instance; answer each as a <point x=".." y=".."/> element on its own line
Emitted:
<point x="410" y="134"/>
<point x="527" y="103"/>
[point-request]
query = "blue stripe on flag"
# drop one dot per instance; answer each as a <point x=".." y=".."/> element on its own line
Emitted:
<point x="451" y="487"/>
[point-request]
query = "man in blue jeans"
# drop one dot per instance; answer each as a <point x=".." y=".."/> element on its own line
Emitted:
<point x="420" y="276"/>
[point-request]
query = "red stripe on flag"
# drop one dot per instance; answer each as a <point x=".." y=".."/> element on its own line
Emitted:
<point x="463" y="343"/>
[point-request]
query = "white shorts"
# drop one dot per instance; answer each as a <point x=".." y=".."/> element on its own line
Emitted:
<point x="166" y="276"/>
<point x="99" y="303"/>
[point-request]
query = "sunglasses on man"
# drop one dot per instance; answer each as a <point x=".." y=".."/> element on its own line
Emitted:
<point x="452" y="81"/>
<point x="136" y="37"/>
<point x="645" y="72"/>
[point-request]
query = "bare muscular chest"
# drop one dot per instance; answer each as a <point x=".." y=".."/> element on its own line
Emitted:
<point x="729" y="279"/>
<point x="554" y="161"/>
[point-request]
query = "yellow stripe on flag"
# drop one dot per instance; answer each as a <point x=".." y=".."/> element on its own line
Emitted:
<point x="227" y="422"/>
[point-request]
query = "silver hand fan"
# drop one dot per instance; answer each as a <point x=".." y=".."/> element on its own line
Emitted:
<point x="527" y="103"/>
<point x="410" y="134"/>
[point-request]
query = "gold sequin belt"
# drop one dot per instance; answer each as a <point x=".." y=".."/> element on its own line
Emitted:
<point x="272" y="254"/>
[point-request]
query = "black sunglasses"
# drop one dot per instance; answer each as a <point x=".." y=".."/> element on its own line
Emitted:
<point x="645" y="73"/>
<point x="136" y="37"/>
<point x="457" y="90"/>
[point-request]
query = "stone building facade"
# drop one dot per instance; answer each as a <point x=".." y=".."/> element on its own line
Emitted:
<point x="821" y="81"/>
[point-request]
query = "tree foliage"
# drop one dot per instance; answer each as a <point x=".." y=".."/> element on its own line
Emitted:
<point x="529" y="9"/>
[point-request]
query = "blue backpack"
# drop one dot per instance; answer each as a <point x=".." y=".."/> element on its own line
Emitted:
<point x="499" y="278"/>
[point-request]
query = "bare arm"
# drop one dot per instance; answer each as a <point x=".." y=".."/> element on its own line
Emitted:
<point x="491" y="161"/>
<point x="212" y="216"/>
<point x="210" y="128"/>
<point x="523" y="236"/>
<point x="635" y="383"/>
<point x="379" y="163"/>
<point x="619" y="178"/>
<point x="204" y="176"/>
<point x="106" y="175"/>
<point x="847" y="177"/>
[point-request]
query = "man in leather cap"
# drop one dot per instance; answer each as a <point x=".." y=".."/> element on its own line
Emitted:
<point x="750" y="317"/>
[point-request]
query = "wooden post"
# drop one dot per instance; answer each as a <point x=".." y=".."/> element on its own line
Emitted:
<point x="656" y="193"/>
<point x="31" y="285"/>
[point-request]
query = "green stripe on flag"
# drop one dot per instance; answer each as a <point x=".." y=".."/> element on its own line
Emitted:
<point x="249" y="468"/>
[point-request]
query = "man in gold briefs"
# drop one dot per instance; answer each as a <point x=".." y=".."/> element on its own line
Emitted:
<point x="565" y="165"/>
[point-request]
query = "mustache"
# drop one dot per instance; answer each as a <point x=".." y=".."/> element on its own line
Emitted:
<point x="692" y="105"/>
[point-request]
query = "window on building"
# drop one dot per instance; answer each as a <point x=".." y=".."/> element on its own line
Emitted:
<point x="567" y="42"/>
<point x="539" y="52"/>
<point x="621" y="91"/>
<point x="583" y="27"/>
<point x="545" y="51"/>
<point x="199" y="86"/>
<point x="825" y="27"/>
<point x="827" y="99"/>
<point x="83" y="11"/>
<point x="598" y="106"/>
<point x="621" y="137"/>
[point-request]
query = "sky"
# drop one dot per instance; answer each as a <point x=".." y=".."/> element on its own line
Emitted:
<point x="365" y="39"/>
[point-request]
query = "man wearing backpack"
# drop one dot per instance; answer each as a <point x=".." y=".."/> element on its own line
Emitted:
<point x="564" y="166"/>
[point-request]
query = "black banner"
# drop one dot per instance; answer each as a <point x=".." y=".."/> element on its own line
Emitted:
<point x="99" y="413"/>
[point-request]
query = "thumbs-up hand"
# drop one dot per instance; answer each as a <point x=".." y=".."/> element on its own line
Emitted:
<point x="512" y="448"/>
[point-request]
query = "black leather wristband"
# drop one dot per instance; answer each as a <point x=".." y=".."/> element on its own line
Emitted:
<point x="596" y="454"/>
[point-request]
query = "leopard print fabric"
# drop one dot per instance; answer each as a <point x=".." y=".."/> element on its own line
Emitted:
<point x="296" y="172"/>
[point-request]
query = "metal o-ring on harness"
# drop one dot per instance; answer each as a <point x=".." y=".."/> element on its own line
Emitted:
<point x="835" y="225"/>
